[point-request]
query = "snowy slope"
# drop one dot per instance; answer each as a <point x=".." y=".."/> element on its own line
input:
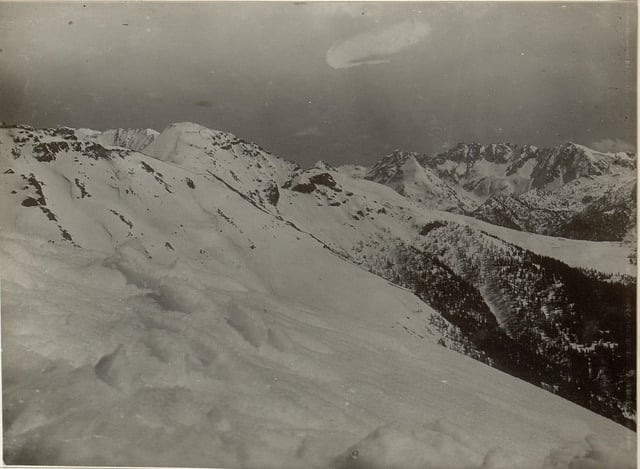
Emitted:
<point x="158" y="308"/>
<point x="389" y="235"/>
<point x="119" y="373"/>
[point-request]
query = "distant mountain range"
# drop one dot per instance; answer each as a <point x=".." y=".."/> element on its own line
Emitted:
<point x="520" y="257"/>
<point x="570" y="190"/>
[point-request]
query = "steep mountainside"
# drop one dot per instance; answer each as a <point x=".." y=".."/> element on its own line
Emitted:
<point x="197" y="292"/>
<point x="433" y="252"/>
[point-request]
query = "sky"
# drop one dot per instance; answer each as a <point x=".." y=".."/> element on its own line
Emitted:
<point x="342" y="82"/>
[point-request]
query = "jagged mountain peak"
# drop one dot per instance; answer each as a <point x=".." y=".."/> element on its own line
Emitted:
<point x="387" y="166"/>
<point x="500" y="153"/>
<point x="403" y="172"/>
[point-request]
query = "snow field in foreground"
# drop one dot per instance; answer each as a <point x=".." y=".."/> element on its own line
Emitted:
<point x="117" y="359"/>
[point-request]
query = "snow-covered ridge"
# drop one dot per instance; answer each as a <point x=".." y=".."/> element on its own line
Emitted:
<point x="259" y="175"/>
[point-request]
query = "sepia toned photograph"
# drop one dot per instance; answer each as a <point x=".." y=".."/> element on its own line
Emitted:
<point x="330" y="235"/>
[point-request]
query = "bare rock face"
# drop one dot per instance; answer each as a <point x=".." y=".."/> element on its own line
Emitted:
<point x="134" y="139"/>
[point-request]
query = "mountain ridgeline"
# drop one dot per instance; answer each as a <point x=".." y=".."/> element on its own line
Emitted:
<point x="462" y="230"/>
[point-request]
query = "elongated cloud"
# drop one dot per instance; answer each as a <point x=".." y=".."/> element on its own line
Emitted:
<point x="374" y="47"/>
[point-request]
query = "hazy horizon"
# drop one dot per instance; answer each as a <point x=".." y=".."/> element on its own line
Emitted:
<point x="341" y="82"/>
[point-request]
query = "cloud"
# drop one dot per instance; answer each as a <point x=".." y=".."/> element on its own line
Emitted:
<point x="375" y="47"/>
<point x="613" y="145"/>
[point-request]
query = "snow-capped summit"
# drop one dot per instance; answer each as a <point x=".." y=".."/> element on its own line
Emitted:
<point x="172" y="141"/>
<point x="244" y="166"/>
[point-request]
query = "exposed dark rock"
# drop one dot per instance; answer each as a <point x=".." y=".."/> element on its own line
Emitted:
<point x="30" y="202"/>
<point x="47" y="151"/>
<point x="96" y="151"/>
<point x="272" y="193"/>
<point x="122" y="218"/>
<point x="304" y="188"/>
<point x="83" y="191"/>
<point x="324" y="179"/>
<point x="426" y="229"/>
